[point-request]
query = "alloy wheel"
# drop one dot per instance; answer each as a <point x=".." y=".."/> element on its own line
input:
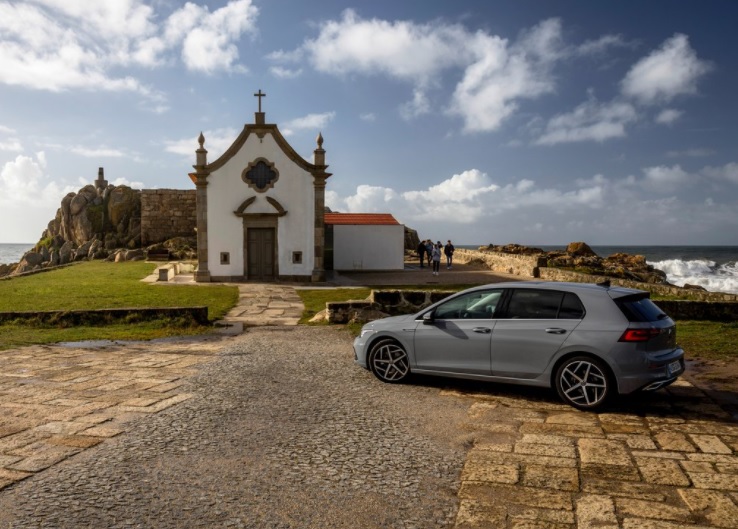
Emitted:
<point x="389" y="361"/>
<point x="583" y="383"/>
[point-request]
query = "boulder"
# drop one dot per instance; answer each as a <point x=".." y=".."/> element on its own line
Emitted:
<point x="80" y="253"/>
<point x="580" y="249"/>
<point x="65" y="252"/>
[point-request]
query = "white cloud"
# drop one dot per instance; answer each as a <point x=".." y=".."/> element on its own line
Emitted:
<point x="99" y="152"/>
<point x="665" y="179"/>
<point x="368" y="116"/>
<point x="668" y="116"/>
<point x="601" y="45"/>
<point x="125" y="182"/>
<point x="311" y="121"/>
<point x="58" y="45"/>
<point x="590" y="121"/>
<point x="27" y="193"/>
<point x="216" y="143"/>
<point x="9" y="140"/>
<point x="728" y="172"/>
<point x="496" y="74"/>
<point x="670" y="71"/>
<point x="285" y="73"/>
<point x="500" y="75"/>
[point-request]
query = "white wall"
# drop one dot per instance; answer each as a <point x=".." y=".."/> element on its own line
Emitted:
<point x="293" y="190"/>
<point x="368" y="247"/>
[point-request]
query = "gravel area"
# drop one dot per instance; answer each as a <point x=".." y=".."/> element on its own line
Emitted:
<point x="283" y="431"/>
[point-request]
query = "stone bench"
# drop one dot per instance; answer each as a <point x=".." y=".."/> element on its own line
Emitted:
<point x="166" y="272"/>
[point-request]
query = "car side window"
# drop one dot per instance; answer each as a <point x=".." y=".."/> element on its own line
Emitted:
<point x="571" y="308"/>
<point x="534" y="304"/>
<point x="473" y="305"/>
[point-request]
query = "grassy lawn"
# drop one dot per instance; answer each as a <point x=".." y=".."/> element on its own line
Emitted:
<point x="101" y="284"/>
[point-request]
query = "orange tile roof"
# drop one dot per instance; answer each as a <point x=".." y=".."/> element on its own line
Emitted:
<point x="360" y="219"/>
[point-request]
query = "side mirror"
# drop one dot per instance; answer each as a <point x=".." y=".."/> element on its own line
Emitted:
<point x="428" y="318"/>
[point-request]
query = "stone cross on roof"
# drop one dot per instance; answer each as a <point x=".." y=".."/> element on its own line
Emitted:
<point x="260" y="95"/>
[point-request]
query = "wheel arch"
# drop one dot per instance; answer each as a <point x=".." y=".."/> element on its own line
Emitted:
<point x="571" y="354"/>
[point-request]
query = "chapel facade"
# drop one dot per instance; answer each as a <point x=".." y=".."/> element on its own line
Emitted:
<point x="260" y="211"/>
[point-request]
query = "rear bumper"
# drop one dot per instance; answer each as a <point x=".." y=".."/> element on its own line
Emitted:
<point x="660" y="373"/>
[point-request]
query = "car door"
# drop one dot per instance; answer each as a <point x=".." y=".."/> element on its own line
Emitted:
<point x="534" y="325"/>
<point x="455" y="337"/>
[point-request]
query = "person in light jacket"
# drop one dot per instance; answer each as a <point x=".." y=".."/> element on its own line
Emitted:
<point x="436" y="257"/>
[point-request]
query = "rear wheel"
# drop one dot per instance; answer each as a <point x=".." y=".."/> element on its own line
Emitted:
<point x="583" y="382"/>
<point x="389" y="361"/>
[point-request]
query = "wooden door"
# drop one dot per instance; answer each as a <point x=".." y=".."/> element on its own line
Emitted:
<point x="260" y="254"/>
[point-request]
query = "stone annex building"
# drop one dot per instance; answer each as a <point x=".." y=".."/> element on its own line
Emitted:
<point x="260" y="215"/>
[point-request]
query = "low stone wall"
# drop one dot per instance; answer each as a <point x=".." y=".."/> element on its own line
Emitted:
<point x="105" y="316"/>
<point x="381" y="303"/>
<point x="167" y="213"/>
<point x="519" y="265"/>
<point x="534" y="267"/>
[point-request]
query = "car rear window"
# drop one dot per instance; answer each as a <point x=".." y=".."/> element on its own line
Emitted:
<point x="640" y="308"/>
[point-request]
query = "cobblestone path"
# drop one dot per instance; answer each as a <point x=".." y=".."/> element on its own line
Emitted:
<point x="279" y="428"/>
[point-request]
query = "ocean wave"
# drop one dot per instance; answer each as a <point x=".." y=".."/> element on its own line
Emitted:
<point x="705" y="273"/>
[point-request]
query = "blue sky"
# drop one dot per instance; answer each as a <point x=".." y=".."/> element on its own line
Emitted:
<point x="535" y="122"/>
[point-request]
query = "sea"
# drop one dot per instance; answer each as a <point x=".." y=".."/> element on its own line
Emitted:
<point x="713" y="267"/>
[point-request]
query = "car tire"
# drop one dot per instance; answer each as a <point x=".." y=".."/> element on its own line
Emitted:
<point x="583" y="382"/>
<point x="389" y="362"/>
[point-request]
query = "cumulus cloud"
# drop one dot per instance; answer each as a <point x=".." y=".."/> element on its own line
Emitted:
<point x="728" y="172"/>
<point x="58" y="45"/>
<point x="668" y="116"/>
<point x="285" y="73"/>
<point x="670" y="71"/>
<point x="311" y="121"/>
<point x="665" y="178"/>
<point x="497" y="74"/>
<point x="216" y="142"/>
<point x="23" y="182"/>
<point x="590" y="121"/>
<point x="9" y="141"/>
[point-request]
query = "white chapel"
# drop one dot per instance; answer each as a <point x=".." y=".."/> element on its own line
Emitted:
<point x="261" y="214"/>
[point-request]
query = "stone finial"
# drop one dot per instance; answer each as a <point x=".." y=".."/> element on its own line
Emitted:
<point x="201" y="153"/>
<point x="319" y="153"/>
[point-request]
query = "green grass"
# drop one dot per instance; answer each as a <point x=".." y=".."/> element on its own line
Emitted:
<point x="101" y="284"/>
<point x="710" y="340"/>
<point x="315" y="299"/>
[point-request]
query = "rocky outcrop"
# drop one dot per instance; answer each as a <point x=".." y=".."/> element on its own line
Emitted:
<point x="411" y="239"/>
<point x="579" y="257"/>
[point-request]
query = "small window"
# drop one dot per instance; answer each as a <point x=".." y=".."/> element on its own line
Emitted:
<point x="225" y="258"/>
<point x="639" y="308"/>
<point x="296" y="257"/>
<point x="534" y="304"/>
<point x="571" y="308"/>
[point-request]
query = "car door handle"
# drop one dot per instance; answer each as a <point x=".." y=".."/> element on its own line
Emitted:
<point x="482" y="330"/>
<point x="555" y="330"/>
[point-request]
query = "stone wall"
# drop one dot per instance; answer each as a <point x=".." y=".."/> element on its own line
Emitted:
<point x="167" y="213"/>
<point x="381" y="303"/>
<point x="534" y="267"/>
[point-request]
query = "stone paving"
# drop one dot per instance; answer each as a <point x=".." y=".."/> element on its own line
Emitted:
<point x="662" y="461"/>
<point x="56" y="401"/>
<point x="667" y="460"/>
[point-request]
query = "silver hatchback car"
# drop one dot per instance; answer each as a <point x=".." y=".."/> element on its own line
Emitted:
<point x="588" y="341"/>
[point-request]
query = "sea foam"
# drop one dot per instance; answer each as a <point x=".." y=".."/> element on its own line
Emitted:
<point x="702" y="272"/>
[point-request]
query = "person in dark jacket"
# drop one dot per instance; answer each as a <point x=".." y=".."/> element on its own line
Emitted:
<point x="448" y="250"/>
<point x="421" y="252"/>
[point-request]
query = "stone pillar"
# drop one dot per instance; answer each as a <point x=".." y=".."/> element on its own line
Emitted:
<point x="319" y="178"/>
<point x="202" y="275"/>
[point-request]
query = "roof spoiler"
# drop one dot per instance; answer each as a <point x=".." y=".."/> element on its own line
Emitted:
<point x="605" y="283"/>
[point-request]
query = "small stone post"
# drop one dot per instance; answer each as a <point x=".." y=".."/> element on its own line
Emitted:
<point x="319" y="178"/>
<point x="202" y="275"/>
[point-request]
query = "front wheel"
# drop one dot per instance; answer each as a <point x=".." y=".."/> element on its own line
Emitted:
<point x="583" y="382"/>
<point x="389" y="361"/>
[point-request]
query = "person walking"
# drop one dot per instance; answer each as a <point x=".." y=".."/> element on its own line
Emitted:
<point x="429" y="250"/>
<point x="448" y="250"/>
<point x="421" y="252"/>
<point x="436" y="256"/>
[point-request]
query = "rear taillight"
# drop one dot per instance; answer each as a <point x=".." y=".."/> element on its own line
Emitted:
<point x="639" y="335"/>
